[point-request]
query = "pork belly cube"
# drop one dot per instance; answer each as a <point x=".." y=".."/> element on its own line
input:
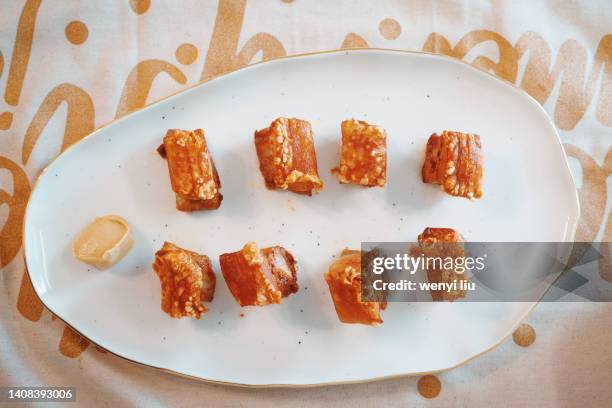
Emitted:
<point x="287" y="157"/>
<point x="259" y="277"/>
<point x="187" y="279"/>
<point x="344" y="280"/>
<point x="363" y="158"/>
<point x="443" y="243"/>
<point x="193" y="174"/>
<point x="454" y="160"/>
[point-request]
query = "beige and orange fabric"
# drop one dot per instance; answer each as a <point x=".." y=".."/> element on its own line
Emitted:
<point x="69" y="67"/>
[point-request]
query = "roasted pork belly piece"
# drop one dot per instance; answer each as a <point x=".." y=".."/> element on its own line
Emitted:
<point x="187" y="280"/>
<point x="259" y="277"/>
<point x="443" y="243"/>
<point x="454" y="160"/>
<point x="363" y="157"/>
<point x="345" y="286"/>
<point x="287" y="157"/>
<point x="193" y="174"/>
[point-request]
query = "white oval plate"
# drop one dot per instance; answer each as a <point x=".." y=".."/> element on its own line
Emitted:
<point x="529" y="195"/>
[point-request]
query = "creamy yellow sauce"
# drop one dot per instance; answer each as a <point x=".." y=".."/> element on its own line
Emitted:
<point x="103" y="242"/>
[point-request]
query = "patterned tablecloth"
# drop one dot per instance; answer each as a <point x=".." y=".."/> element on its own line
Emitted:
<point x="69" y="67"/>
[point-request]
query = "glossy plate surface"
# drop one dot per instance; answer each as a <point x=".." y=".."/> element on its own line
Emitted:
<point x="529" y="195"/>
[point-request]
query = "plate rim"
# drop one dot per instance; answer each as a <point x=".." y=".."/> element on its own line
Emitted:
<point x="569" y="235"/>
